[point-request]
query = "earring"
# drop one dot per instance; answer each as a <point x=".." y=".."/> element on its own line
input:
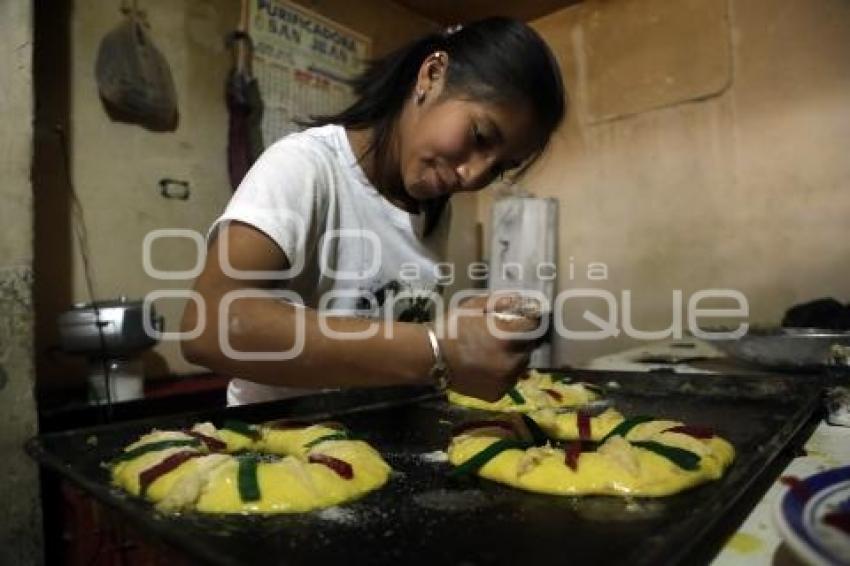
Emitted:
<point x="419" y="96"/>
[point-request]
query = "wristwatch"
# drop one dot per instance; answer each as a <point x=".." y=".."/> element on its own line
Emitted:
<point x="439" y="372"/>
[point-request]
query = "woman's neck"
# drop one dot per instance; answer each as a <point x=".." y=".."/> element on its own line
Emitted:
<point x="389" y="185"/>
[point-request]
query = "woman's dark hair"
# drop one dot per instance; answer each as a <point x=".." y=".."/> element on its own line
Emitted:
<point x="494" y="59"/>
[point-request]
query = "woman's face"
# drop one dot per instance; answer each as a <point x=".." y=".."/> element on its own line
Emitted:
<point x="448" y="144"/>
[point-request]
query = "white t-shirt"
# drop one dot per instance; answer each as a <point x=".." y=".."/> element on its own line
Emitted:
<point x="350" y="249"/>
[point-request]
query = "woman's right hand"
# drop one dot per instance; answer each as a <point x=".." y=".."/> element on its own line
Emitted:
<point x="482" y="363"/>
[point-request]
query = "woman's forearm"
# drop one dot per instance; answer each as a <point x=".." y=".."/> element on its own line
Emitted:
<point x="393" y="354"/>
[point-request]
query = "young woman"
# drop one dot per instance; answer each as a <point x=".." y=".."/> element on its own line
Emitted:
<point x="349" y="217"/>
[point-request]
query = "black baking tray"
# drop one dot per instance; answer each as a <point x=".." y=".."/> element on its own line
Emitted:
<point x="424" y="516"/>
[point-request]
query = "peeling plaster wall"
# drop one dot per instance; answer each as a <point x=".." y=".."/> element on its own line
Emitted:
<point x="20" y="523"/>
<point x="680" y="179"/>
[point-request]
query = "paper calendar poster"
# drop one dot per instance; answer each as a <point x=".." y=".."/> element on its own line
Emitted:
<point x="303" y="63"/>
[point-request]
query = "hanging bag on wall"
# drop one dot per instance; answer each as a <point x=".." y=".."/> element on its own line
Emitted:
<point x="133" y="77"/>
<point x="244" y="104"/>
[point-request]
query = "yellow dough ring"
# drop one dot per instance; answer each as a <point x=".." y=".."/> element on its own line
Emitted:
<point x="637" y="457"/>
<point x="242" y="468"/>
<point x="538" y="390"/>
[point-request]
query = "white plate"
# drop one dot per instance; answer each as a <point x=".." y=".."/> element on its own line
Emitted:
<point x="803" y="512"/>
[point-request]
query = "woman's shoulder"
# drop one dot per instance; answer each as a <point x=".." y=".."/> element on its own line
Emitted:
<point x="321" y="143"/>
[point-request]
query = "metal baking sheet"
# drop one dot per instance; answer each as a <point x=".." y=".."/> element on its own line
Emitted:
<point x="423" y="516"/>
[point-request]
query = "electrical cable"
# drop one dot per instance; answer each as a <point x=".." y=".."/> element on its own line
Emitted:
<point x="82" y="240"/>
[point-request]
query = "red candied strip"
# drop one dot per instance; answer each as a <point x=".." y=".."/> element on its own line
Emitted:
<point x="797" y="487"/>
<point x="695" y="431"/>
<point x="214" y="444"/>
<point x="571" y="454"/>
<point x="147" y="477"/>
<point x="583" y="423"/>
<point x="573" y="449"/>
<point x="553" y="394"/>
<point x="471" y="425"/>
<point x="343" y="469"/>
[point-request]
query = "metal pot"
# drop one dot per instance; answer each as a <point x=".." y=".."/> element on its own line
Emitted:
<point x="122" y="330"/>
<point x="785" y="348"/>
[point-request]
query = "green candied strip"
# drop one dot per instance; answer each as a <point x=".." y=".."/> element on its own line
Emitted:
<point x="627" y="425"/>
<point x="242" y="428"/>
<point x="476" y="462"/>
<point x="153" y="447"/>
<point x="246" y="479"/>
<point x="537" y="434"/>
<point x="334" y="436"/>
<point x="685" y="459"/>
<point x="516" y="397"/>
<point x="559" y="377"/>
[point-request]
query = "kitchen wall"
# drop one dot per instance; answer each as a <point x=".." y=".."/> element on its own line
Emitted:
<point x="705" y="148"/>
<point x="116" y="167"/>
<point x="20" y="522"/>
<point x="702" y="150"/>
